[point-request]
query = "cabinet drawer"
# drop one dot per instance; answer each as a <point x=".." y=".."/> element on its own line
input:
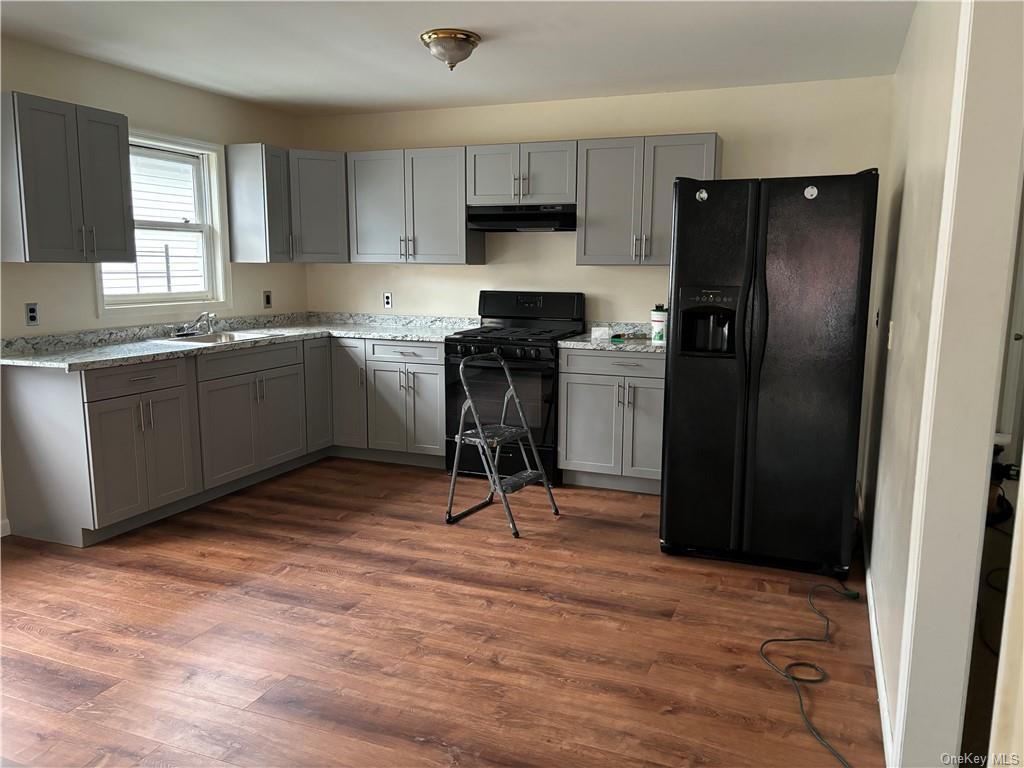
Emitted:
<point x="644" y="364"/>
<point x="238" y="361"/>
<point x="405" y="351"/>
<point x="131" y="379"/>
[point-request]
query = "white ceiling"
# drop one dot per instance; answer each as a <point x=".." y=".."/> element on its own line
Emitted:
<point x="366" y="56"/>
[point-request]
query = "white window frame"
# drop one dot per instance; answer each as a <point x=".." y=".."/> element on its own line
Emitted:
<point x="213" y="195"/>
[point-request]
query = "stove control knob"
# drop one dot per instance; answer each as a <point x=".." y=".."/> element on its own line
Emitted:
<point x="535" y="353"/>
<point x="473" y="349"/>
<point x="520" y="352"/>
<point x="461" y="349"/>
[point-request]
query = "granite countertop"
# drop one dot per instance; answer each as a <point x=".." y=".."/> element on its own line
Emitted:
<point x="631" y="344"/>
<point x="110" y="355"/>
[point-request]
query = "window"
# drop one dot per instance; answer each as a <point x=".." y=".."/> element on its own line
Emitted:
<point x="174" y="234"/>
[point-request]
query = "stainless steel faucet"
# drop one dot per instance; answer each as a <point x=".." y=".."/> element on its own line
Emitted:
<point x="192" y="328"/>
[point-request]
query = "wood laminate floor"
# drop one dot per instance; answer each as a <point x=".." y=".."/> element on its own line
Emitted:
<point x="328" y="617"/>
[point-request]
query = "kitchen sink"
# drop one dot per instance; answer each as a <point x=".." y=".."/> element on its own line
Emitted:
<point x="221" y="337"/>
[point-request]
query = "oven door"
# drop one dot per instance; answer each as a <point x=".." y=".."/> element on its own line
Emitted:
<point x="537" y="387"/>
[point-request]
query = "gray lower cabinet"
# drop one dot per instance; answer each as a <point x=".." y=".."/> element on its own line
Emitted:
<point x="348" y="385"/>
<point x="66" y="182"/>
<point x="316" y="355"/>
<point x="642" y="427"/>
<point x="625" y="189"/>
<point x="251" y="421"/>
<point x="590" y="423"/>
<point x="610" y="424"/>
<point x="143" y="452"/>
<point x="405" y="407"/>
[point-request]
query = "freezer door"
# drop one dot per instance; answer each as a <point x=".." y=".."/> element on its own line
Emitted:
<point x="809" y="323"/>
<point x="706" y="365"/>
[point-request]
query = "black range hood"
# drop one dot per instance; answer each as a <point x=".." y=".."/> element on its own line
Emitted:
<point x="522" y="218"/>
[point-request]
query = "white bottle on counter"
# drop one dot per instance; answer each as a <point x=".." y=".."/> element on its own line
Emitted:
<point x="659" y="325"/>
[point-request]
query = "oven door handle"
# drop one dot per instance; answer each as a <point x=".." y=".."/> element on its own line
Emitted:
<point x="513" y="365"/>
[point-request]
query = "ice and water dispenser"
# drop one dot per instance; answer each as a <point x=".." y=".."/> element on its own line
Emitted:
<point x="707" y="321"/>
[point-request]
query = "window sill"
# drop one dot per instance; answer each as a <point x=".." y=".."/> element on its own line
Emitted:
<point x="125" y="314"/>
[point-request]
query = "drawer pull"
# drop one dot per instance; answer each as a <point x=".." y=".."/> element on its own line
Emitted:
<point x="628" y="365"/>
<point x="403" y="352"/>
<point x="142" y="378"/>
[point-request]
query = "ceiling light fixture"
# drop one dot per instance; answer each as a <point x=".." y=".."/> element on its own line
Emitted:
<point x="450" y="45"/>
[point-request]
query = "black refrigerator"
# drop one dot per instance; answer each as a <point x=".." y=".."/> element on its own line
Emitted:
<point x="764" y="368"/>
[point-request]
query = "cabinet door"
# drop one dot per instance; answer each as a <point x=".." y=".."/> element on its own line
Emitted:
<point x="172" y="445"/>
<point x="610" y="194"/>
<point x="492" y="173"/>
<point x="282" y="415"/>
<point x="228" y="428"/>
<point x="117" y="454"/>
<point x="51" y="181"/>
<point x="641" y="428"/>
<point x="279" y="229"/>
<point x="665" y="158"/>
<point x="590" y="423"/>
<point x="316" y="357"/>
<point x="106" y="185"/>
<point x="424" y="411"/>
<point x="435" y="205"/>
<point x="348" y="383"/>
<point x="319" y="207"/>
<point x="548" y="170"/>
<point x="376" y="205"/>
<point x="385" y="400"/>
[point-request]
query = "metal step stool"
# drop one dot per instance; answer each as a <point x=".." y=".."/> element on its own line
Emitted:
<point x="488" y="438"/>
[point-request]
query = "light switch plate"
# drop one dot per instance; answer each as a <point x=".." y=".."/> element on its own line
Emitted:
<point x="388" y="304"/>
<point x="268" y="300"/>
<point x="31" y="313"/>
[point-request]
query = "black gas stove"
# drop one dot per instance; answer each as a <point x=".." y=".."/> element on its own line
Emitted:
<point x="524" y="328"/>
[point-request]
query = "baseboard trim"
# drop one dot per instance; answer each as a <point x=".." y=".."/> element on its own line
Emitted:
<point x="876" y="653"/>
<point x="611" y="482"/>
<point x="388" y="457"/>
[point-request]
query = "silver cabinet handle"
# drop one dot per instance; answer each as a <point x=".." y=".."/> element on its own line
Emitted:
<point x="142" y="378"/>
<point x="85" y="256"/>
<point x="636" y="247"/>
<point x="152" y="423"/>
<point x="643" y="249"/>
<point x="629" y="395"/>
<point x="401" y="378"/>
<point x="627" y="365"/>
<point x="410" y="379"/>
<point x="264" y="380"/>
<point x="525" y="184"/>
<point x="95" y="251"/>
<point x="618" y="392"/>
<point x="142" y="417"/>
<point x="516" y="187"/>
<point x="410" y="245"/>
<point x="408" y="353"/>
<point x="401" y="246"/>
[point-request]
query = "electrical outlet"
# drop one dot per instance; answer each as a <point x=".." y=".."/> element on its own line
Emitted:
<point x="31" y="313"/>
<point x="388" y="304"/>
<point x="268" y="300"/>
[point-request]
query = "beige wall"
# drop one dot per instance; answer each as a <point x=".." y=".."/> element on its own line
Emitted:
<point x="67" y="292"/>
<point x="837" y="126"/>
<point x="922" y="93"/>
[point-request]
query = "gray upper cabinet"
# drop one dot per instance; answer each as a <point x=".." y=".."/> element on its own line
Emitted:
<point x="316" y="355"/>
<point x="228" y="419"/>
<point x="590" y="423"/>
<point x="348" y="384"/>
<point x="106" y="185"/>
<point x="610" y="201"/>
<point x="624" y="214"/>
<point x="424" y="392"/>
<point x="547" y="172"/>
<point x="258" y="203"/>
<point x="532" y="173"/>
<point x="376" y="206"/>
<point x="642" y="427"/>
<point x="692" y="155"/>
<point x="173" y="468"/>
<point x="319" y="211"/>
<point x="435" y="207"/>
<point x="492" y="174"/>
<point x="385" y="398"/>
<point x="117" y="453"/>
<point x="66" y="182"/>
